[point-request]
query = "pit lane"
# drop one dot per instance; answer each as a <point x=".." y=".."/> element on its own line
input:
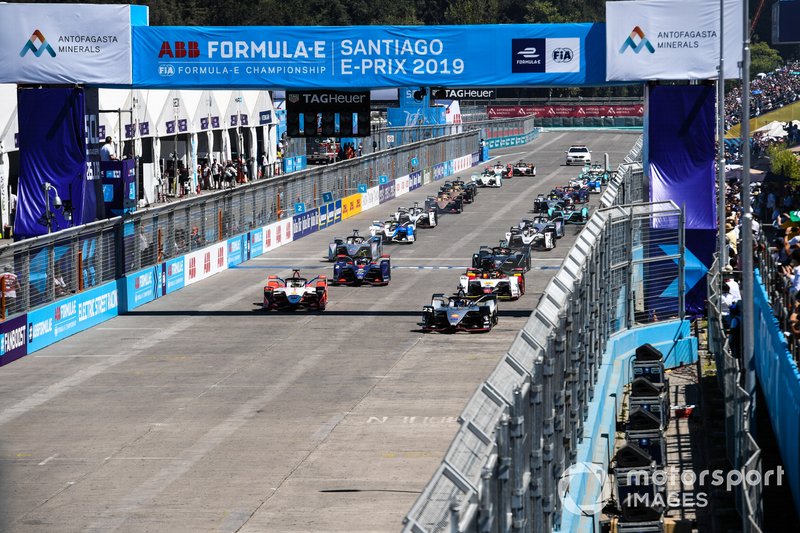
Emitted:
<point x="197" y="413"/>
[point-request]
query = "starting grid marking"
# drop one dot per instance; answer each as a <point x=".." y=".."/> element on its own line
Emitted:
<point x="394" y="267"/>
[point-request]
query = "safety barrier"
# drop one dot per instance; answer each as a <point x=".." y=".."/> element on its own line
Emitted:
<point x="741" y="449"/>
<point x="523" y="426"/>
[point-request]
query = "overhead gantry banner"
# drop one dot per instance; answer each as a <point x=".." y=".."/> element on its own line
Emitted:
<point x="352" y="57"/>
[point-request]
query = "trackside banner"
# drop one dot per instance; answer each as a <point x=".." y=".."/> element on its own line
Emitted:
<point x="368" y="56"/>
<point x="671" y="39"/>
<point x="67" y="43"/>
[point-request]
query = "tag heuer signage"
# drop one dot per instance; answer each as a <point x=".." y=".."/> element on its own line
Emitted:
<point x="464" y="94"/>
<point x="322" y="101"/>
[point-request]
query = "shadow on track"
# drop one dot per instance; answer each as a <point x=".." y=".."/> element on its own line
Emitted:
<point x="511" y="313"/>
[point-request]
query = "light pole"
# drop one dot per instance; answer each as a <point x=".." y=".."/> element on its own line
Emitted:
<point x="722" y="252"/>
<point x="57" y="204"/>
<point x="176" y="104"/>
<point x="746" y="251"/>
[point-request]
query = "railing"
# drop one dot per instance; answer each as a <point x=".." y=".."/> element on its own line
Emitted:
<point x="51" y="267"/>
<point x="741" y="449"/>
<point x="522" y="427"/>
<point x="45" y="269"/>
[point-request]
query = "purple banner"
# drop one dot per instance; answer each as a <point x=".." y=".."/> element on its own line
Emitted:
<point x="204" y="123"/>
<point x="183" y="125"/>
<point x="414" y="180"/>
<point x="680" y="140"/>
<point x="13" y="339"/>
<point x="386" y="192"/>
<point x="234" y="120"/>
<point x="215" y="122"/>
<point x="129" y="128"/>
<point x="304" y="224"/>
<point x="170" y="126"/>
<point x="243" y="120"/>
<point x="144" y="128"/>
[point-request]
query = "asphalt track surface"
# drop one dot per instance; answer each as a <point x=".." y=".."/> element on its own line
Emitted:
<point x="198" y="413"/>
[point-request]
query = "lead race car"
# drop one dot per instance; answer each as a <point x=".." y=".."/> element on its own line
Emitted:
<point x="393" y="231"/>
<point x="353" y="246"/>
<point x="445" y="203"/>
<point x="458" y="313"/>
<point x="363" y="268"/>
<point x="476" y="282"/>
<point x="295" y="293"/>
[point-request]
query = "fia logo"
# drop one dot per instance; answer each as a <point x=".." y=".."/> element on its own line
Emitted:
<point x="166" y="70"/>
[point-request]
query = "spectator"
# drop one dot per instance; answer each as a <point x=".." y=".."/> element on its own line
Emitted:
<point x="107" y="152"/>
<point x="10" y="286"/>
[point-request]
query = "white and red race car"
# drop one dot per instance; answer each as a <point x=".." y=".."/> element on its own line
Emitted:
<point x="296" y="292"/>
<point x="476" y="282"/>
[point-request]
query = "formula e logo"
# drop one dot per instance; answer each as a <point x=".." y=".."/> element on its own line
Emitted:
<point x="180" y="50"/>
<point x="166" y="70"/>
<point x="527" y="55"/>
<point x="563" y="55"/>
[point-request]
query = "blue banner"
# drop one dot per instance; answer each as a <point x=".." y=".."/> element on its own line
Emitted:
<point x="256" y="242"/>
<point x="13" y="339"/>
<point x="780" y="382"/>
<point x="142" y="287"/>
<point x="173" y="277"/>
<point x="350" y="57"/>
<point x="304" y="224"/>
<point x="237" y="250"/>
<point x="386" y="192"/>
<point x="66" y="317"/>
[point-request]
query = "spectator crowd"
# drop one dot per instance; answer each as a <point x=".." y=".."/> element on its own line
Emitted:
<point x="768" y="92"/>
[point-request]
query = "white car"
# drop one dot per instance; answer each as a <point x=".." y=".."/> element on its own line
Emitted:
<point x="579" y="154"/>
<point x="487" y="179"/>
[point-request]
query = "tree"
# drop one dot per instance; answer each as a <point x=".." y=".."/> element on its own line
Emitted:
<point x="763" y="58"/>
<point x="784" y="162"/>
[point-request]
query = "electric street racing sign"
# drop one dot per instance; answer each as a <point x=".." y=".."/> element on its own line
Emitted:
<point x="368" y="56"/>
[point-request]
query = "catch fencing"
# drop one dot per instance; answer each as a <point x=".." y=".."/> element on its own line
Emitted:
<point x="56" y="266"/>
<point x="742" y="452"/>
<point x="521" y="429"/>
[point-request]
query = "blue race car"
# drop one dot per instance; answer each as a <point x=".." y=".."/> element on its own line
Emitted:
<point x="353" y="245"/>
<point x="362" y="269"/>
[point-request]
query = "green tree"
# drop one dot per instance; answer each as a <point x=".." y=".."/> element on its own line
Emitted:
<point x="763" y="58"/>
<point x="472" y="12"/>
<point x="784" y="162"/>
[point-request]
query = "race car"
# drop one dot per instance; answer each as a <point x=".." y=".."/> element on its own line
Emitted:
<point x="557" y="221"/>
<point x="353" y="245"/>
<point x="591" y="179"/>
<point x="502" y="258"/>
<point x="364" y="269"/>
<point x="393" y="231"/>
<point x="420" y="216"/>
<point x="487" y="179"/>
<point x="596" y="172"/>
<point x="576" y="216"/>
<point x="295" y="293"/>
<point x="577" y="195"/>
<point x="524" y="169"/>
<point x="467" y="191"/>
<point x="458" y="313"/>
<point x="537" y="236"/>
<point x="476" y="282"/>
<point x="541" y="204"/>
<point x="444" y="203"/>
<point x="499" y="169"/>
